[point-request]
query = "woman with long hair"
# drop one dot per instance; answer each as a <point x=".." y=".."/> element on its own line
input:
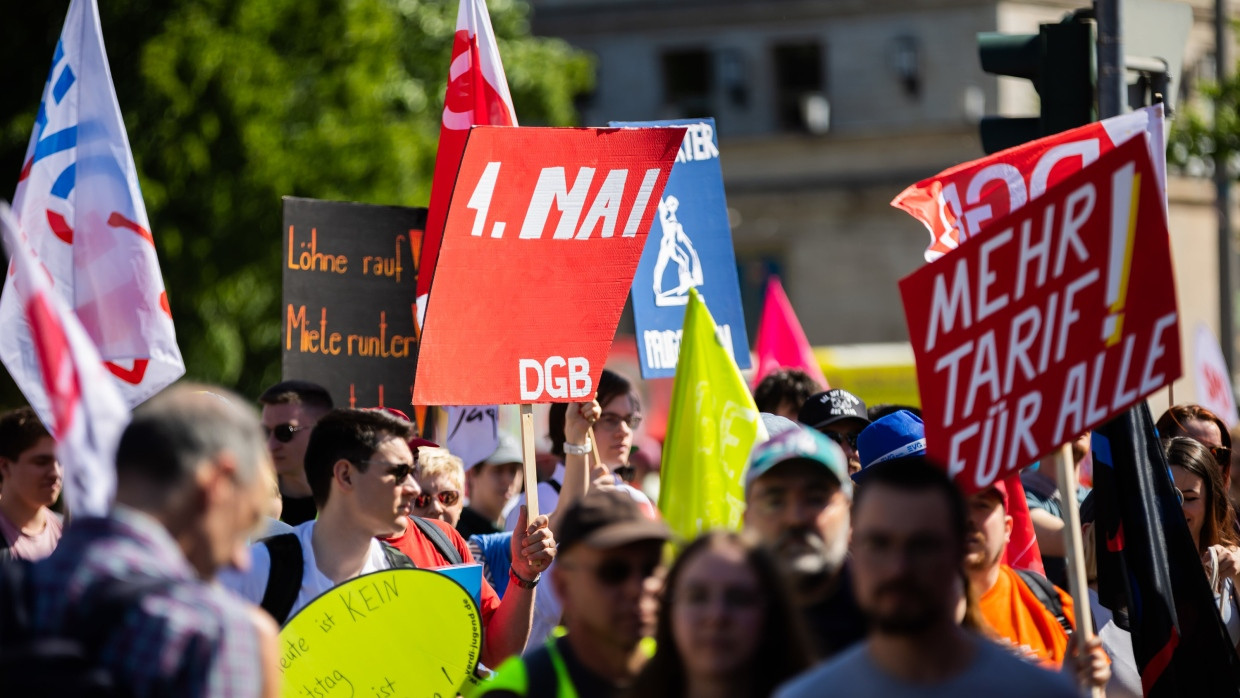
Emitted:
<point x="1211" y="522"/>
<point x="726" y="628"/>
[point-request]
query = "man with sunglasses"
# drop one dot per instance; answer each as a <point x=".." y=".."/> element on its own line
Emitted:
<point x="360" y="468"/>
<point x="797" y="499"/>
<point x="840" y="416"/>
<point x="608" y="577"/>
<point x="290" y="410"/>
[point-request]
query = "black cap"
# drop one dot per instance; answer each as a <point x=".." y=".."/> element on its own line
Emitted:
<point x="830" y="407"/>
<point x="608" y="519"/>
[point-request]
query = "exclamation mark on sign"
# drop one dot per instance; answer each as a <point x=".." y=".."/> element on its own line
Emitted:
<point x="1125" y="190"/>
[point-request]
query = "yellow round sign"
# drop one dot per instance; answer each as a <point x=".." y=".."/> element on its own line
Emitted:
<point x="391" y="633"/>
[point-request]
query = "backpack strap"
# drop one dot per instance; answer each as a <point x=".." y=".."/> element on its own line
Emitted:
<point x="284" y="575"/>
<point x="396" y="559"/>
<point x="1047" y="595"/>
<point x="554" y="485"/>
<point x="439" y="539"/>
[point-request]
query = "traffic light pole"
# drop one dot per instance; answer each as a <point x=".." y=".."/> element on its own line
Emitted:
<point x="1111" y="86"/>
<point x="1222" y="185"/>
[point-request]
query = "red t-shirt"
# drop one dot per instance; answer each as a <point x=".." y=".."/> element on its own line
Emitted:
<point x="424" y="554"/>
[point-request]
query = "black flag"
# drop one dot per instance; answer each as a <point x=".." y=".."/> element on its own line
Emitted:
<point x="1148" y="571"/>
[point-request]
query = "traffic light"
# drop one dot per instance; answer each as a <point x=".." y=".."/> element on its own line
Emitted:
<point x="1059" y="61"/>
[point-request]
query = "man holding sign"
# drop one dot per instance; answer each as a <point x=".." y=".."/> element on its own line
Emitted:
<point x="360" y="468"/>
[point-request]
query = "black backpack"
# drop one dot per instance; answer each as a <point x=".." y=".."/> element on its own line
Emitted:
<point x="1047" y="594"/>
<point x="40" y="665"/>
<point x="284" y="578"/>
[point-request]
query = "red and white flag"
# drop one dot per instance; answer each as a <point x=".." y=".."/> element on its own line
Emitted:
<point x="79" y="205"/>
<point x="958" y="202"/>
<point x="477" y="95"/>
<point x="63" y="373"/>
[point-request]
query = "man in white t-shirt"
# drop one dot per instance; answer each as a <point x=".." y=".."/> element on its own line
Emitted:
<point x="30" y="482"/>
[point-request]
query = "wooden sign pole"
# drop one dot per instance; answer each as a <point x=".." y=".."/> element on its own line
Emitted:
<point x="527" y="461"/>
<point x="1073" y="544"/>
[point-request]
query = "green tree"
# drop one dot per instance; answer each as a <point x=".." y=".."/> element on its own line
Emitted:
<point x="232" y="104"/>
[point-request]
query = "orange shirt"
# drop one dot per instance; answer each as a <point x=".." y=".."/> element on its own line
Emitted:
<point x="1018" y="618"/>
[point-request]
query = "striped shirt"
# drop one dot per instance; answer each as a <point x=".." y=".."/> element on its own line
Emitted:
<point x="188" y="638"/>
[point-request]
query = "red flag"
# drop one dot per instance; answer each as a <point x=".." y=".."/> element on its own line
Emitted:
<point x="1022" y="550"/>
<point x="477" y="95"/>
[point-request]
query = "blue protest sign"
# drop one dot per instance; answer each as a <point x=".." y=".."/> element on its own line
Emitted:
<point x="689" y="246"/>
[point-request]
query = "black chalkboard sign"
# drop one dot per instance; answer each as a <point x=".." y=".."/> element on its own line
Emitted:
<point x="350" y="275"/>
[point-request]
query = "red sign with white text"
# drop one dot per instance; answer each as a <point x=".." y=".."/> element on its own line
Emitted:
<point x="959" y="202"/>
<point x="544" y="232"/>
<point x="1048" y="323"/>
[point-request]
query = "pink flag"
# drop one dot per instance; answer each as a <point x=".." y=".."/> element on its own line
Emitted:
<point x="64" y="375"/>
<point x="477" y="95"/>
<point x="781" y="342"/>
<point x="79" y="204"/>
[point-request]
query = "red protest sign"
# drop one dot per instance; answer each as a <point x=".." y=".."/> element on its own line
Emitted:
<point x="544" y="232"/>
<point x="1048" y="322"/>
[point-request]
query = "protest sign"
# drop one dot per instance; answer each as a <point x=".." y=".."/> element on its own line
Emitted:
<point x="472" y="432"/>
<point x="348" y="315"/>
<point x="1049" y="322"/>
<point x="690" y="246"/>
<point x="959" y="202"/>
<point x="1211" y="377"/>
<point x="544" y="232"/>
<point x="391" y="633"/>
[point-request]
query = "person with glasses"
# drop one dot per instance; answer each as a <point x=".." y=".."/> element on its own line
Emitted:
<point x="840" y="416"/>
<point x="290" y="410"/>
<point x="608" y="575"/>
<point x="1196" y="422"/>
<point x="441" y="477"/>
<point x="727" y="626"/>
<point x="361" y="470"/>
<point x="797" y="497"/>
<point x="909" y="535"/>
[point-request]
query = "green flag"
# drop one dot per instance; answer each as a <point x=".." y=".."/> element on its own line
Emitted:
<point x="712" y="425"/>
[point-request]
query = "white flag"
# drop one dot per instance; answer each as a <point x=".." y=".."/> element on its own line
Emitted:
<point x="80" y="407"/>
<point x="79" y="205"/>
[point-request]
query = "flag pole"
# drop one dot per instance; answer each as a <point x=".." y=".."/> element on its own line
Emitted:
<point x="1075" y="554"/>
<point x="527" y="462"/>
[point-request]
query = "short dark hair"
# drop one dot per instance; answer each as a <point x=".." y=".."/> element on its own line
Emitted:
<point x="916" y="474"/>
<point x="610" y="386"/>
<point x="353" y="435"/>
<point x="786" y="385"/>
<point x="297" y="392"/>
<point x="20" y="429"/>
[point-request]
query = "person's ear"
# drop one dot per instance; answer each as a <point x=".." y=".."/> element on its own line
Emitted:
<point x="1008" y="524"/>
<point x="5" y="466"/>
<point x="343" y="473"/>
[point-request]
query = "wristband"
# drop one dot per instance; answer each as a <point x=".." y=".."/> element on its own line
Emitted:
<point x="515" y="578"/>
<point x="577" y="449"/>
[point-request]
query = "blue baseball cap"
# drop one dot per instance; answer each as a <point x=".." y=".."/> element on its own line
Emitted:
<point x="799" y="444"/>
<point x="898" y="435"/>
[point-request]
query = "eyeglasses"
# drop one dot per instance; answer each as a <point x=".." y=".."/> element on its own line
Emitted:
<point x="610" y="421"/>
<point x="282" y="432"/>
<point x="841" y="439"/>
<point x="617" y="571"/>
<point x="400" y="470"/>
<point x="446" y="498"/>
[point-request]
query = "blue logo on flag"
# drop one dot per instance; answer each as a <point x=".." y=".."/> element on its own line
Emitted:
<point x="689" y="246"/>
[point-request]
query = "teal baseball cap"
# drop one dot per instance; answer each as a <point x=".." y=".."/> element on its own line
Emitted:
<point x="799" y="444"/>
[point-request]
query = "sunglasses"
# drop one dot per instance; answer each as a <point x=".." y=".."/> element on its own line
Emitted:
<point x="400" y="471"/>
<point x="1222" y="456"/>
<point x="617" y="571"/>
<point x="841" y="439"/>
<point x="283" y="432"/>
<point x="446" y="498"/>
<point x="611" y="422"/>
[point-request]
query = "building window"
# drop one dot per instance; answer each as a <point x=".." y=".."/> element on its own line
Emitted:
<point x="800" y="89"/>
<point x="688" y="83"/>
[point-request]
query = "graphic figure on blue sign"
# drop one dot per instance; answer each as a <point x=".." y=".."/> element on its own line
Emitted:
<point x="675" y="247"/>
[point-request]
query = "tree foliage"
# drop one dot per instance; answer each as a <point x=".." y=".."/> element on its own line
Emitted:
<point x="232" y="104"/>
